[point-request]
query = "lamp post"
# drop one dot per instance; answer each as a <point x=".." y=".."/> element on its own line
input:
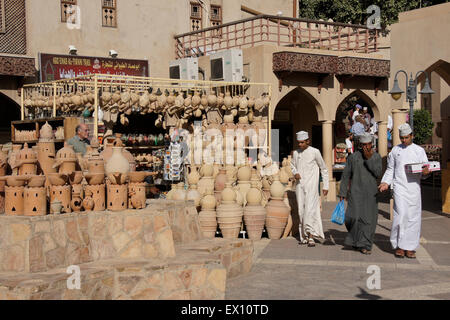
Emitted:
<point x="411" y="91"/>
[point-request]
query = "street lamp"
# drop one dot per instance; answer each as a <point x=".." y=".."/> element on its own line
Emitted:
<point x="411" y="91"/>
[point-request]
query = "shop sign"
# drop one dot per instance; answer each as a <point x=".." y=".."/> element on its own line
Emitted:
<point x="58" y="67"/>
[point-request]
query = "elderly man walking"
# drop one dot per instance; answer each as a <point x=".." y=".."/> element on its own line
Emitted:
<point x="405" y="232"/>
<point x="361" y="172"/>
<point x="305" y="164"/>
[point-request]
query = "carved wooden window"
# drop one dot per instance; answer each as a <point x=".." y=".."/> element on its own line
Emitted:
<point x="216" y="15"/>
<point x="68" y="9"/>
<point x="196" y="16"/>
<point x="109" y="13"/>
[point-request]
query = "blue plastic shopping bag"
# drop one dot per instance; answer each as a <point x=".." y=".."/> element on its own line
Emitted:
<point x="338" y="215"/>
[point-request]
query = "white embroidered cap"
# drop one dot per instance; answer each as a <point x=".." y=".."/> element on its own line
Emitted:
<point x="404" y="130"/>
<point x="302" y="136"/>
<point x="365" y="138"/>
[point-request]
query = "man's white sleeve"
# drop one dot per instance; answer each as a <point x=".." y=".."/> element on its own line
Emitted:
<point x="389" y="174"/>
<point x="323" y="170"/>
<point x="294" y="163"/>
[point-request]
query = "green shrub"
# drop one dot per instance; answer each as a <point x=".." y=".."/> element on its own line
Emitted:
<point x="423" y="126"/>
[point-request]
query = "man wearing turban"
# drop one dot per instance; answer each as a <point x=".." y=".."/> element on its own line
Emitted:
<point x="305" y="164"/>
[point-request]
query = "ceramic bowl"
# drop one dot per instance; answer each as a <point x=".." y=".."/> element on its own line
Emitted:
<point x="94" y="178"/>
<point x="36" y="181"/>
<point x="58" y="179"/>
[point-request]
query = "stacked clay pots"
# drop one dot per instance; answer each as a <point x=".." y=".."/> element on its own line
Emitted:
<point x="254" y="213"/>
<point x="46" y="149"/>
<point x="219" y="183"/>
<point x="206" y="181"/>
<point x="244" y="175"/>
<point x="229" y="213"/>
<point x="193" y="178"/>
<point x="207" y="215"/>
<point x="277" y="211"/>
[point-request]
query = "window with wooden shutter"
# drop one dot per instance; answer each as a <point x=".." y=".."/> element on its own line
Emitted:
<point x="216" y="15"/>
<point x="68" y="9"/>
<point x="196" y="16"/>
<point x="109" y="13"/>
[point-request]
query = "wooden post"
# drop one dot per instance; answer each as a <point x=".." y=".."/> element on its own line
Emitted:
<point x="54" y="100"/>
<point x="96" y="107"/>
<point x="22" y="107"/>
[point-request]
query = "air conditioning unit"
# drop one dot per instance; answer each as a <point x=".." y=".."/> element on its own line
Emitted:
<point x="184" y="69"/>
<point x="227" y="65"/>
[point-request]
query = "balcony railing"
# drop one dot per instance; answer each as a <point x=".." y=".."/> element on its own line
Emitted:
<point x="282" y="31"/>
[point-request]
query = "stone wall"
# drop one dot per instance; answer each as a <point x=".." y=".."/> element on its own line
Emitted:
<point x="36" y="244"/>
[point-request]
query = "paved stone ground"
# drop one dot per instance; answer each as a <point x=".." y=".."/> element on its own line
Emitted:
<point x="283" y="269"/>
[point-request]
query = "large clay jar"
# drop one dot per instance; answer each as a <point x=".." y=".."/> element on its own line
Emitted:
<point x="219" y="183"/>
<point x="117" y="163"/>
<point x="193" y="175"/>
<point x="254" y="213"/>
<point x="207" y="216"/>
<point x="180" y="193"/>
<point x="76" y="203"/>
<point x="27" y="161"/>
<point x="231" y="173"/>
<point x="194" y="195"/>
<point x="66" y="159"/>
<point x="277" y="211"/>
<point x="171" y="192"/>
<point x="229" y="213"/>
<point x="207" y="180"/>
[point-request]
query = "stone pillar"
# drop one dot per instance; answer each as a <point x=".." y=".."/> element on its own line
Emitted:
<point x="327" y="153"/>
<point x="398" y="118"/>
<point x="382" y="138"/>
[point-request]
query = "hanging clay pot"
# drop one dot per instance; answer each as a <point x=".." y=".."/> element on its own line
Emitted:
<point x="212" y="100"/>
<point x="204" y="101"/>
<point x="228" y="100"/>
<point x="259" y="104"/>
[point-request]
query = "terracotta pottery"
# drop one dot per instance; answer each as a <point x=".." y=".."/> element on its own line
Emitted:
<point x="137" y="195"/>
<point x="76" y="177"/>
<point x="244" y="173"/>
<point x="58" y="179"/>
<point x="193" y="176"/>
<point x="117" y="178"/>
<point x="77" y="203"/>
<point x="27" y="161"/>
<point x="194" y="195"/>
<point x="13" y="158"/>
<point x="117" y="162"/>
<point x="56" y="207"/>
<point x="94" y="178"/>
<point x="66" y="159"/>
<point x="14" y="181"/>
<point x="46" y="156"/>
<point x="88" y="202"/>
<point x="107" y="153"/>
<point x="46" y="133"/>
<point x="95" y="163"/>
<point x="117" y="197"/>
<point x="208" y="202"/>
<point x="229" y="213"/>
<point x="98" y="195"/>
<point x="63" y="194"/>
<point x="276" y="218"/>
<point x="36" y="181"/>
<point x="77" y="190"/>
<point x="254" y="213"/>
<point x="276" y="188"/>
<point x="231" y="173"/>
<point x="219" y="183"/>
<point x="139" y="176"/>
<point x="14" y="201"/>
<point x="180" y="193"/>
<point x="208" y="223"/>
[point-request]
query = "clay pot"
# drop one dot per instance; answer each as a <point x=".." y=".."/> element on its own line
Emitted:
<point x="276" y="188"/>
<point x="96" y="164"/>
<point x="208" y="202"/>
<point x="94" y="178"/>
<point x="136" y="195"/>
<point x="66" y="159"/>
<point x="180" y="193"/>
<point x="254" y="219"/>
<point x="56" y="207"/>
<point x="194" y="195"/>
<point x="117" y="197"/>
<point x="36" y="181"/>
<point x="229" y="218"/>
<point x="98" y="195"/>
<point x="27" y="160"/>
<point x="77" y="203"/>
<point x="76" y="177"/>
<point x="276" y="218"/>
<point x="169" y="194"/>
<point x="63" y="194"/>
<point x="88" y="202"/>
<point x="46" y="133"/>
<point x="139" y="176"/>
<point x="193" y="175"/>
<point x="228" y="100"/>
<point x="208" y="223"/>
<point x="254" y="195"/>
<point x="220" y="180"/>
<point x="117" y="178"/>
<point x="117" y="162"/>
<point x="244" y="173"/>
<point x="212" y="100"/>
<point x="207" y="170"/>
<point x="58" y="179"/>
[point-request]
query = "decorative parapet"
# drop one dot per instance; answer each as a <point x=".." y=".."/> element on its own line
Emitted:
<point x="304" y="62"/>
<point x="366" y="67"/>
<point x="17" y="66"/>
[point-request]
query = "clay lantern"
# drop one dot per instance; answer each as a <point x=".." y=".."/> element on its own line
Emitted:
<point x="66" y="159"/>
<point x="27" y="161"/>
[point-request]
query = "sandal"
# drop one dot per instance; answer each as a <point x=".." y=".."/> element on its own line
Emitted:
<point x="365" y="251"/>
<point x="311" y="242"/>
<point x="400" y="253"/>
<point x="410" y="254"/>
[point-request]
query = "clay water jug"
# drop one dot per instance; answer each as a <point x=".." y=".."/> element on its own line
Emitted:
<point x="194" y="195"/>
<point x="180" y="193"/>
<point x="117" y="162"/>
<point x="276" y="188"/>
<point x="193" y="175"/>
<point x="208" y="202"/>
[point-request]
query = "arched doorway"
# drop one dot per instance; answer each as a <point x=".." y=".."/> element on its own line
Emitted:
<point x="10" y="111"/>
<point x="345" y="114"/>
<point x="296" y="111"/>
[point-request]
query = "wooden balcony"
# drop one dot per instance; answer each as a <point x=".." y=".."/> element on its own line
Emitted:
<point x="281" y="31"/>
